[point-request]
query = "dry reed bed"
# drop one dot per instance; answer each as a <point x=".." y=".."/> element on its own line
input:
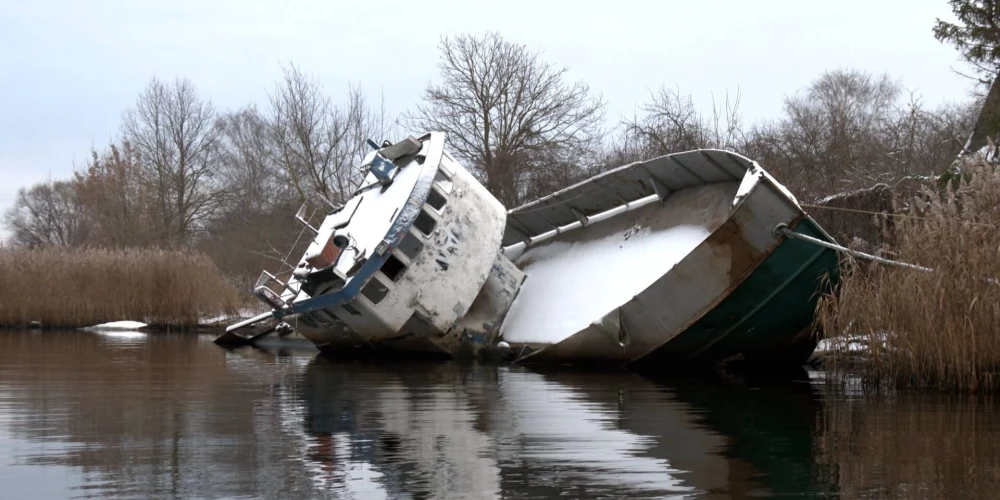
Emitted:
<point x="64" y="287"/>
<point x="938" y="329"/>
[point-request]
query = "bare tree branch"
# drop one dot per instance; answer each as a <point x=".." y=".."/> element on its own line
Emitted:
<point x="510" y="116"/>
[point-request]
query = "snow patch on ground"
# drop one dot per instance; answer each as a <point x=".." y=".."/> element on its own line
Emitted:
<point x="857" y="346"/>
<point x="570" y="285"/>
<point x="850" y="343"/>
<point x="117" y="325"/>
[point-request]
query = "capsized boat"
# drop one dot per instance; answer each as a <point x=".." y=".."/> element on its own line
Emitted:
<point x="673" y="260"/>
<point x="411" y="262"/>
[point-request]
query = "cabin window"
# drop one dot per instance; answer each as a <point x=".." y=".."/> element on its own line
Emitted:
<point x="425" y="223"/>
<point x="350" y="309"/>
<point x="448" y="163"/>
<point x="443" y="181"/>
<point x="325" y="318"/>
<point x="410" y="246"/>
<point x="393" y="268"/>
<point x="436" y="200"/>
<point x="375" y="290"/>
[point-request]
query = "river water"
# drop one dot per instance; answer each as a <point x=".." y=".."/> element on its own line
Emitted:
<point x="175" y="416"/>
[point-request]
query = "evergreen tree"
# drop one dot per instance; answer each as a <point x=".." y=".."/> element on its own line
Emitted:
<point x="976" y="35"/>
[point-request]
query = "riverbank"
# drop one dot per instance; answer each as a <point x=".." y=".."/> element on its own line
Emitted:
<point x="899" y="327"/>
<point x="940" y="329"/>
<point x="71" y="288"/>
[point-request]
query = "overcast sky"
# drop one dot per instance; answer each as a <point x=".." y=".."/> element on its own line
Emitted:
<point x="69" y="68"/>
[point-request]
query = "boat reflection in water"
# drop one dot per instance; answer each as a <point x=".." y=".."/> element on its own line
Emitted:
<point x="172" y="415"/>
<point x="439" y="430"/>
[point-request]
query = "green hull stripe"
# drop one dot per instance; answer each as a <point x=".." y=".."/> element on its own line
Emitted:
<point x="775" y="303"/>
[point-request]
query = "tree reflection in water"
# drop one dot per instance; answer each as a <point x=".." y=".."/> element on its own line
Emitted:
<point x="174" y="415"/>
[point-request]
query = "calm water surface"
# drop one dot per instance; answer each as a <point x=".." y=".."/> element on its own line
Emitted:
<point x="175" y="416"/>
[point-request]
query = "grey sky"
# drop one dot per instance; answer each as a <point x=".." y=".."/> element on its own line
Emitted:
<point x="69" y="68"/>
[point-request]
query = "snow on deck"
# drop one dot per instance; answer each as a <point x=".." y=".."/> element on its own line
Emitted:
<point x="575" y="280"/>
<point x="570" y="285"/>
<point x="376" y="211"/>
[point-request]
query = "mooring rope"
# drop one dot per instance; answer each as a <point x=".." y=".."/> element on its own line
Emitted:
<point x="784" y="230"/>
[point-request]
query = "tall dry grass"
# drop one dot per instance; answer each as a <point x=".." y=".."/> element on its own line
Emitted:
<point x="939" y="329"/>
<point x="70" y="287"/>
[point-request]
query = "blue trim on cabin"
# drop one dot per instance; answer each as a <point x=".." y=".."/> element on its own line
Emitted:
<point x="408" y="214"/>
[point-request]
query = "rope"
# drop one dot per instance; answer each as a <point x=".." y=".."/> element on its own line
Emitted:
<point x="783" y="230"/>
<point x="905" y="216"/>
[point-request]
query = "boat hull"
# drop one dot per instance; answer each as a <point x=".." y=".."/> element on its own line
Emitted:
<point x="745" y="293"/>
<point x="768" y="318"/>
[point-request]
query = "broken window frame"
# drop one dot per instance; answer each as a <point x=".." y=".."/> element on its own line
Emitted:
<point x="434" y="192"/>
<point x="375" y="281"/>
<point x="424" y="215"/>
<point x="398" y="275"/>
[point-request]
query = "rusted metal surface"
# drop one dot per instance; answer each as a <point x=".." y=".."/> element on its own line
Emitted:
<point x="646" y="319"/>
<point x="742" y="236"/>
<point x="327" y="254"/>
<point x="481" y="324"/>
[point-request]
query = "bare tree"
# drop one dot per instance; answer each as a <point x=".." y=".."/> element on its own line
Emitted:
<point x="248" y="177"/>
<point x="670" y="123"/>
<point x="509" y="115"/>
<point x="116" y="200"/>
<point x="319" y="144"/>
<point x="46" y="214"/>
<point x="302" y="147"/>
<point x="174" y="135"/>
<point x="848" y="129"/>
<point x="834" y="131"/>
<point x="922" y="141"/>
